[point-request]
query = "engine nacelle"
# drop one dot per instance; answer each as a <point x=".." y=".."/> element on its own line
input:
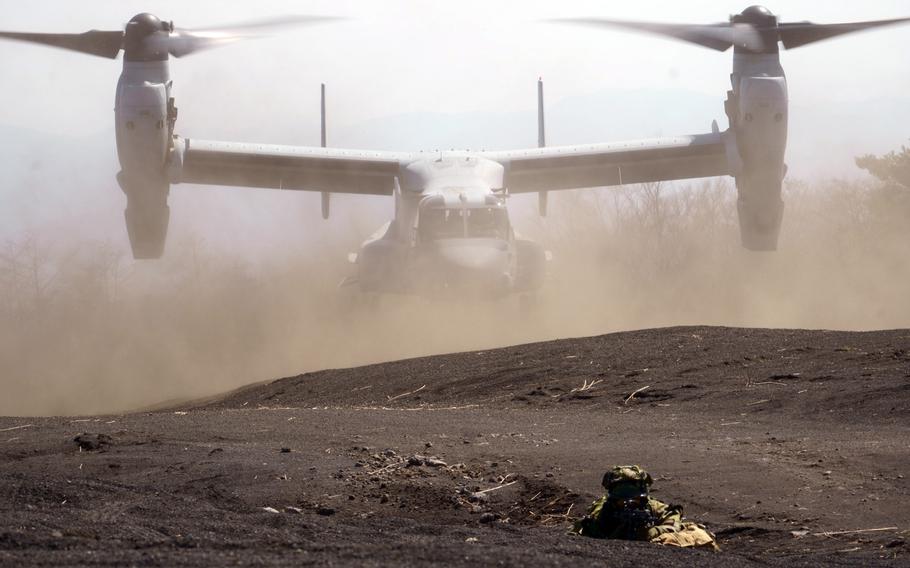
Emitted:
<point x="144" y="118"/>
<point x="758" y="113"/>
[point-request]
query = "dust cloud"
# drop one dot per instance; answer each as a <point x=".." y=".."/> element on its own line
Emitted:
<point x="84" y="329"/>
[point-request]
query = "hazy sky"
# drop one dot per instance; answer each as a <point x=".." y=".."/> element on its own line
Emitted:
<point x="398" y="56"/>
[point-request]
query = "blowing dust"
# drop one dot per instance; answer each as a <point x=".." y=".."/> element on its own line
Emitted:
<point x="84" y="329"/>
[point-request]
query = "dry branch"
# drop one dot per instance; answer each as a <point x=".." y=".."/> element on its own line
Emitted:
<point x="496" y="488"/>
<point x="16" y="428"/>
<point x="404" y="394"/>
<point x="631" y="396"/>
<point x="585" y="386"/>
<point x="835" y="533"/>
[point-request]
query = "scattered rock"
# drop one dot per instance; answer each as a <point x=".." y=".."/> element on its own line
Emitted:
<point x="290" y="509"/>
<point x="270" y="510"/>
<point x="384" y="498"/>
<point x="325" y="511"/>
<point x="91" y="442"/>
<point x="488" y="517"/>
<point x="285" y="450"/>
<point x="798" y="534"/>
<point x="418" y="460"/>
<point x="479" y="498"/>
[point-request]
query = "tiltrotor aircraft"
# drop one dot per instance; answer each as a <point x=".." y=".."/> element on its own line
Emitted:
<point x="451" y="229"/>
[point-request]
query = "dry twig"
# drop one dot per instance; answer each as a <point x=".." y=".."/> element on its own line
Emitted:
<point x="835" y="533"/>
<point x="586" y="386"/>
<point x="396" y="397"/>
<point x="496" y="488"/>
<point x="631" y="396"/>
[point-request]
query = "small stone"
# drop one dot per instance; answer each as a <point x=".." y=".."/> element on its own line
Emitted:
<point x="471" y="539"/>
<point x="434" y="462"/>
<point x="270" y="510"/>
<point x="478" y="498"/>
<point x="91" y="442"/>
<point x="826" y="473"/>
<point x="428" y="445"/>
<point x="487" y="518"/>
<point x="285" y="450"/>
<point x="384" y="498"/>
<point x="415" y="460"/>
<point x="325" y="511"/>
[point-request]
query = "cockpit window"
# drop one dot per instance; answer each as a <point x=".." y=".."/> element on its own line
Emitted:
<point x="490" y="222"/>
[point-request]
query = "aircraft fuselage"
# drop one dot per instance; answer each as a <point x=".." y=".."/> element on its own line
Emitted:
<point x="451" y="234"/>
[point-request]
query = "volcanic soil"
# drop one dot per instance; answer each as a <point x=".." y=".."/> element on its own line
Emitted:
<point x="792" y="446"/>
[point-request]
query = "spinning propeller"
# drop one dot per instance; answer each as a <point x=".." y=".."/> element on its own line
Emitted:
<point x="146" y="38"/>
<point x="755" y="30"/>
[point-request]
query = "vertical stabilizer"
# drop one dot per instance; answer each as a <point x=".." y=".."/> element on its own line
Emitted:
<point x="326" y="196"/>
<point x="541" y="143"/>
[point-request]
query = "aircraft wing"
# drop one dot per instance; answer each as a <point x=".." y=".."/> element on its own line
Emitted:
<point x="329" y="170"/>
<point x="600" y="165"/>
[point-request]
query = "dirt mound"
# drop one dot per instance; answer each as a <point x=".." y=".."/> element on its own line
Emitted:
<point x="790" y="445"/>
<point x="805" y="374"/>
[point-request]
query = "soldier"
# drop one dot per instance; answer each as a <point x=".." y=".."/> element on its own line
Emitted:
<point x="628" y="512"/>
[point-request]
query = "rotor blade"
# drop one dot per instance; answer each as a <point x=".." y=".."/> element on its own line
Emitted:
<point x="719" y="37"/>
<point x="94" y="42"/>
<point x="803" y="33"/>
<point x="183" y="42"/>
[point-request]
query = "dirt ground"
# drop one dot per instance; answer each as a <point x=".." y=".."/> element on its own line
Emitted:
<point x="792" y="446"/>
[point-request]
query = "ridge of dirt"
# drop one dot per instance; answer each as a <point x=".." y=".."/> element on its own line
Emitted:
<point x="705" y="368"/>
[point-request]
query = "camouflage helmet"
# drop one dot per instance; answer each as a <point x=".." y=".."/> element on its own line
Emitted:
<point x="625" y="481"/>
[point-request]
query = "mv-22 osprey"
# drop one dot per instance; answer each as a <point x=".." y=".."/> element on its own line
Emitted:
<point x="451" y="231"/>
